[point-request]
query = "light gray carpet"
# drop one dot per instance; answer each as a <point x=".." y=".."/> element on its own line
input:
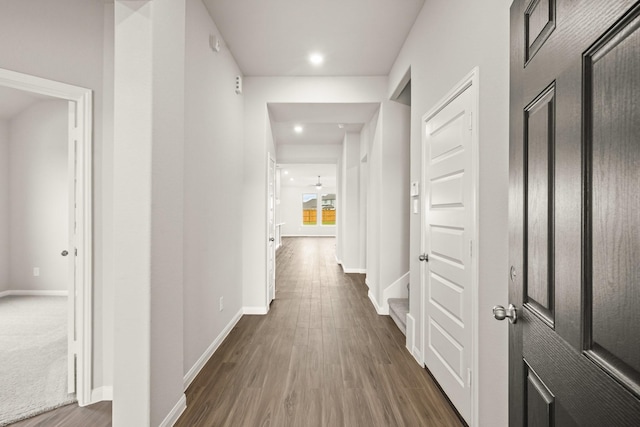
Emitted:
<point x="33" y="356"/>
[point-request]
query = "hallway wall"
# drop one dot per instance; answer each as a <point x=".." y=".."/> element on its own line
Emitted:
<point x="447" y="40"/>
<point x="63" y="41"/>
<point x="4" y="205"/>
<point x="39" y="197"/>
<point x="213" y="187"/>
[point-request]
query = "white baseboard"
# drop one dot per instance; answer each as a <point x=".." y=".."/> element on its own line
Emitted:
<point x="197" y="367"/>
<point x="101" y="394"/>
<point x="418" y="356"/>
<point x="255" y="310"/>
<point x="379" y="309"/>
<point x="354" y="270"/>
<point x="178" y="409"/>
<point x="308" y="235"/>
<point x="411" y="340"/>
<point x="34" y="293"/>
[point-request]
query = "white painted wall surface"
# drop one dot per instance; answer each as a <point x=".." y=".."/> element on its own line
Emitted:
<point x="213" y="156"/>
<point x="39" y="197"/>
<point x="394" y="195"/>
<point x="148" y="205"/>
<point x="258" y="92"/>
<point x="4" y="206"/>
<point x="63" y="41"/>
<point x="350" y="206"/>
<point x="308" y="153"/>
<point x="462" y="35"/>
<point x="291" y="211"/>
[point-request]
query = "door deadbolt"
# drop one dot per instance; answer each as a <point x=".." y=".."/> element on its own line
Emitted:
<point x="424" y="257"/>
<point x="64" y="253"/>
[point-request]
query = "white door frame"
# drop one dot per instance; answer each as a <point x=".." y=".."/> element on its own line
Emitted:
<point x="80" y="132"/>
<point x="471" y="81"/>
<point x="271" y="231"/>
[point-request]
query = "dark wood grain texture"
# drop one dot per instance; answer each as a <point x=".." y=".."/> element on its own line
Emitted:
<point x="592" y="250"/>
<point x="97" y="415"/>
<point x="321" y="357"/>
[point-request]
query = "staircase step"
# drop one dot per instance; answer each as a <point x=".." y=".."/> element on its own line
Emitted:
<point x="398" y="309"/>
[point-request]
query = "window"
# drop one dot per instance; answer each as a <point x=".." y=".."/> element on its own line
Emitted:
<point x="328" y="209"/>
<point x="309" y="209"/>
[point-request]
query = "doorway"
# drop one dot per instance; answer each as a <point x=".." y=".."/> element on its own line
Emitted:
<point x="79" y="248"/>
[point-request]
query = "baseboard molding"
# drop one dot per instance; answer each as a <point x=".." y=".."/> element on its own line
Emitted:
<point x="354" y="270"/>
<point x="379" y="309"/>
<point x="411" y="340"/>
<point x="34" y="293"/>
<point x="101" y="394"/>
<point x="197" y="367"/>
<point x="178" y="409"/>
<point x="418" y="356"/>
<point x="308" y="235"/>
<point x="255" y="310"/>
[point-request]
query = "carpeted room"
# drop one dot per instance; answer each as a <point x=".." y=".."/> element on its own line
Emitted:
<point x="33" y="274"/>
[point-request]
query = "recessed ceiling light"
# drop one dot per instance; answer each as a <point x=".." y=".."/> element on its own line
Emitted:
<point x="341" y="125"/>
<point x="286" y="172"/>
<point x="290" y="179"/>
<point x="316" y="59"/>
<point x="297" y="128"/>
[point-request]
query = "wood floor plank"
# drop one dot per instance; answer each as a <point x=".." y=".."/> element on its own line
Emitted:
<point x="322" y="356"/>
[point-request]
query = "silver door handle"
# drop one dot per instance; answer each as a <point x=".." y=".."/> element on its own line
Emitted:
<point x="424" y="257"/>
<point x="511" y="313"/>
<point x="271" y="239"/>
<point x="64" y="253"/>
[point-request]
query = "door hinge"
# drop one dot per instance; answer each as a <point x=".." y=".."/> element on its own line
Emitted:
<point x="470" y="120"/>
<point x="471" y="248"/>
<point x="469" y="378"/>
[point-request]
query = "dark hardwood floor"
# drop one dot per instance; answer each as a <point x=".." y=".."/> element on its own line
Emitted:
<point x="321" y="357"/>
<point x="98" y="415"/>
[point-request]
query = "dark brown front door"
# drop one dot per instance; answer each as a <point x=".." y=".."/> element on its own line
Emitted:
<point x="575" y="213"/>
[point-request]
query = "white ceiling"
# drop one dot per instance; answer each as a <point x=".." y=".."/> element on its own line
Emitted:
<point x="14" y="101"/>
<point x="319" y="121"/>
<point x="305" y="175"/>
<point x="275" y="37"/>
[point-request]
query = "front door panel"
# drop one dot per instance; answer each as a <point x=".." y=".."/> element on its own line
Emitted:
<point x="575" y="213"/>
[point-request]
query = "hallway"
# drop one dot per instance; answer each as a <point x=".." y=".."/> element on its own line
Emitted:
<point x="322" y="356"/>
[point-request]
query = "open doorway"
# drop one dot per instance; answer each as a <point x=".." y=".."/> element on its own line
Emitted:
<point x="45" y="191"/>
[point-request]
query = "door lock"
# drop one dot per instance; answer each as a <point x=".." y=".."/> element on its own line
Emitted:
<point x="271" y="239"/>
<point x="511" y="313"/>
<point x="64" y="253"/>
<point x="424" y="257"/>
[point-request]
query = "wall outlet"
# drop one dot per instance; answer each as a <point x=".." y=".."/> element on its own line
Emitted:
<point x="221" y="303"/>
<point x="36" y="271"/>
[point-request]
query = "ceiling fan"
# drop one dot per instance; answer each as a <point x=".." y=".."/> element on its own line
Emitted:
<point x="318" y="185"/>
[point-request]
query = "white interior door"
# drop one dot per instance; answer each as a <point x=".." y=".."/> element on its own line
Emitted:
<point x="447" y="238"/>
<point x="271" y="229"/>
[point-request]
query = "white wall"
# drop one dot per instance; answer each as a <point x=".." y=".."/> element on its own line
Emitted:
<point x="258" y="92"/>
<point x="308" y="154"/>
<point x="462" y="35"/>
<point x="213" y="187"/>
<point x="290" y="208"/>
<point x="349" y="240"/>
<point x="39" y="197"/>
<point x="63" y="41"/>
<point x="4" y="206"/>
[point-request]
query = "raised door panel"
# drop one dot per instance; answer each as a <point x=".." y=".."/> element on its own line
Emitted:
<point x="612" y="91"/>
